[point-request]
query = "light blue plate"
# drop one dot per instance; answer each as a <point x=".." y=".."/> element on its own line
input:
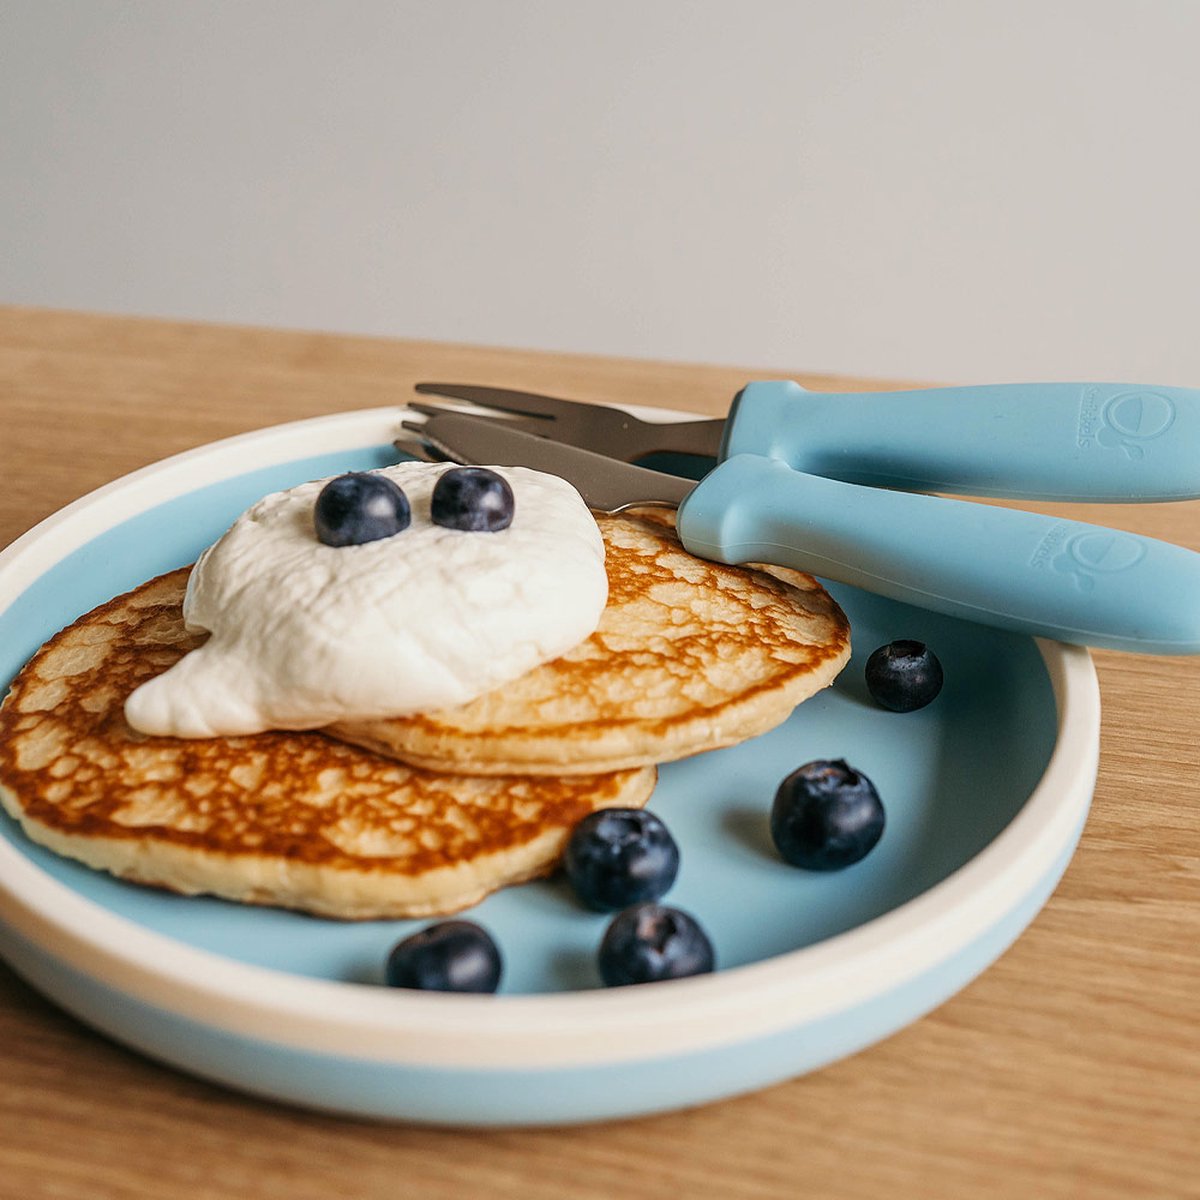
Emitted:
<point x="985" y="792"/>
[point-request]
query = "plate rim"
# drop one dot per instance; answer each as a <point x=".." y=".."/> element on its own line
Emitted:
<point x="544" y="1030"/>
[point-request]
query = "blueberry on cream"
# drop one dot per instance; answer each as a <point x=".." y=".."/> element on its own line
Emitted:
<point x="472" y="498"/>
<point x="360" y="507"/>
<point x="303" y="634"/>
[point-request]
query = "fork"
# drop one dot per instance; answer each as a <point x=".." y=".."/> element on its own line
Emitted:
<point x="1044" y="441"/>
<point x="598" y="427"/>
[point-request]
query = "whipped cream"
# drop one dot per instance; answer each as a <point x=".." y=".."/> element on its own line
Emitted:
<point x="304" y="634"/>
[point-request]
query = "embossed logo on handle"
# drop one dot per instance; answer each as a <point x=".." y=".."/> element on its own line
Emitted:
<point x="1125" y="421"/>
<point x="1088" y="555"/>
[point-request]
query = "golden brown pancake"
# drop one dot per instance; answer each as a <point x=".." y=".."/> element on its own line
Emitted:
<point x="690" y="655"/>
<point x="291" y="819"/>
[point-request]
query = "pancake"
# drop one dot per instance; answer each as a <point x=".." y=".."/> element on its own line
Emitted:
<point x="297" y="820"/>
<point x="689" y="656"/>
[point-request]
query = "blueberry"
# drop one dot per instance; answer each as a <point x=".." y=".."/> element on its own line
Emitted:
<point x="826" y="816"/>
<point x="360" y="507"/>
<point x="620" y="856"/>
<point x="472" y="498"/>
<point x="903" y="676"/>
<point x="650" y="942"/>
<point x="451" y="956"/>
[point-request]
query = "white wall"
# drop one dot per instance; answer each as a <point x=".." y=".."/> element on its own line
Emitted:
<point x="940" y="190"/>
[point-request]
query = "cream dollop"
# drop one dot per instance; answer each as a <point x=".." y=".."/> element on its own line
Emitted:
<point x="304" y="634"/>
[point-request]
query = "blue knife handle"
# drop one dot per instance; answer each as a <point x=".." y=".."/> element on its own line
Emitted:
<point x="1044" y="441"/>
<point x="1017" y="570"/>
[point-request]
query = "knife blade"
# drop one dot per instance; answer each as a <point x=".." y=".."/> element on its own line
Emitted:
<point x="1023" y="571"/>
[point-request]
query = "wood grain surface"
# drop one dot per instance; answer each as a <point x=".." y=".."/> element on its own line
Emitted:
<point x="1071" y="1068"/>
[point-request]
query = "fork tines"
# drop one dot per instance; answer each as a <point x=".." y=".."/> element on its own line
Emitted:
<point x="505" y="400"/>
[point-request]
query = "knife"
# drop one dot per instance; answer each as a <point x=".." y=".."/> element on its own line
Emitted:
<point x="1023" y="571"/>
<point x="1046" y="441"/>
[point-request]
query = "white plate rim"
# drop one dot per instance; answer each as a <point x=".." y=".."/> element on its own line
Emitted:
<point x="529" y="1031"/>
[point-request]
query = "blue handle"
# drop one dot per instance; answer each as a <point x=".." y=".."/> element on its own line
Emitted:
<point x="1018" y="570"/>
<point x="1042" y="441"/>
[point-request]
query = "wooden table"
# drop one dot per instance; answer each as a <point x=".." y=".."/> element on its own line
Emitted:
<point x="1070" y="1069"/>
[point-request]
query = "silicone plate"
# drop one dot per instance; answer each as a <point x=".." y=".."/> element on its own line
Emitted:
<point x="986" y="791"/>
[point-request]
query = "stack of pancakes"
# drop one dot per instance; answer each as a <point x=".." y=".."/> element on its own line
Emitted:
<point x="419" y="815"/>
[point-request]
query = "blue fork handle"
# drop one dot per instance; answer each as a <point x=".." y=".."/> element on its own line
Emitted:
<point x="1041" y="441"/>
<point x="1017" y="570"/>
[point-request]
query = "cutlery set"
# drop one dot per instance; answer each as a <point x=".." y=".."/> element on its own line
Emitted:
<point x="837" y="485"/>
